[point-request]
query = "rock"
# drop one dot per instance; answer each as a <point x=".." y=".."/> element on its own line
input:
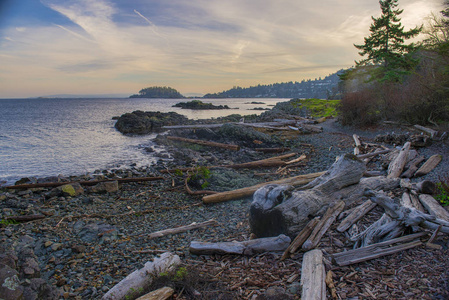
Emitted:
<point x="140" y="122"/>
<point x="274" y="293"/>
<point x="105" y="187"/>
<point x="40" y="289"/>
<point x="10" y="288"/>
<point x="72" y="189"/>
<point x="56" y="246"/>
<point x="91" y="232"/>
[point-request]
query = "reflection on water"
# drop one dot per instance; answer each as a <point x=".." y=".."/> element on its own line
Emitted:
<point x="46" y="137"/>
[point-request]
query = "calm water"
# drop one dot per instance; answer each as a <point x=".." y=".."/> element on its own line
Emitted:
<point x="48" y="137"/>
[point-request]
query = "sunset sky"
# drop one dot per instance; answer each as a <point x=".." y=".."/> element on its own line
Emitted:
<point x="195" y="46"/>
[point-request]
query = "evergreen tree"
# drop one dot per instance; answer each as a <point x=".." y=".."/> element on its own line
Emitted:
<point x="386" y="47"/>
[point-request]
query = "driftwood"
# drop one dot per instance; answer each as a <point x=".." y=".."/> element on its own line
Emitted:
<point x="377" y="250"/>
<point x="141" y="279"/>
<point x="429" y="165"/>
<point x="279" y="243"/>
<point x="301" y="238"/>
<point x="358" y="144"/>
<point x="248" y="191"/>
<point x="431" y="132"/>
<point x="412" y="166"/>
<point x="204" y="143"/>
<point x="313" y="276"/>
<point x="362" y="156"/>
<point x="397" y="165"/>
<point x="309" y="128"/>
<point x="25" y="218"/>
<point x="159" y="294"/>
<point x="331" y="285"/>
<point x="355" y="215"/>
<point x="165" y="232"/>
<point x="415" y="202"/>
<point x="87" y="183"/>
<point x="433" y="207"/>
<point x="272" y="150"/>
<point x="326" y="221"/>
<point x="426" y="187"/>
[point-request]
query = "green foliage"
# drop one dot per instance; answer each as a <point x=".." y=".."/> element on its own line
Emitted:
<point x="443" y="191"/>
<point x="180" y="274"/>
<point x="318" y="107"/>
<point x="199" y="177"/>
<point x="5" y="222"/>
<point x="386" y="48"/>
<point x="158" y="92"/>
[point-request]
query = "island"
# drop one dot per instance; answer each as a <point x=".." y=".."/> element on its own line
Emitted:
<point x="158" y="92"/>
<point x="197" y="105"/>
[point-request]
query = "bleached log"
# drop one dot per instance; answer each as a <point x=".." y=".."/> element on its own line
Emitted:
<point x="412" y="166"/>
<point x="433" y="207"/>
<point x="248" y="191"/>
<point x="397" y="165"/>
<point x="180" y="229"/>
<point x="313" y="276"/>
<point x="362" y="156"/>
<point x="431" y="132"/>
<point x="429" y="165"/>
<point x="416" y="203"/>
<point x="159" y="294"/>
<point x="141" y="279"/>
<point x="301" y="238"/>
<point x="309" y="128"/>
<point x="356" y="215"/>
<point x="358" y="144"/>
<point x="279" y="243"/>
<point x="326" y="221"/>
<point x="405" y="200"/>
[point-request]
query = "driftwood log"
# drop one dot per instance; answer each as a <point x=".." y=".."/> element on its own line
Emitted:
<point x="159" y="294"/>
<point x="313" y="276"/>
<point x="397" y="165"/>
<point x="141" y="279"/>
<point x="429" y="165"/>
<point x="279" y="243"/>
<point x="278" y="209"/>
<point x="204" y="143"/>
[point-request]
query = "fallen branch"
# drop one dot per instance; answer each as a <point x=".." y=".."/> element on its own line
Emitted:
<point x="87" y="183"/>
<point x="248" y="191"/>
<point x="355" y="215"/>
<point x="272" y="150"/>
<point x="362" y="156"/>
<point x="190" y="192"/>
<point x="24" y="218"/>
<point x="358" y="144"/>
<point x="165" y="232"/>
<point x="204" y="143"/>
<point x="301" y="238"/>
<point x="431" y="132"/>
<point x="279" y="243"/>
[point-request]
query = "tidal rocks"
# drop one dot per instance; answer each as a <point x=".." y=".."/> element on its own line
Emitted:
<point x="199" y="105"/>
<point x="139" y="122"/>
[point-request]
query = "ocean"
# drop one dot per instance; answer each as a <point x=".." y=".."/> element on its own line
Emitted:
<point x="49" y="137"/>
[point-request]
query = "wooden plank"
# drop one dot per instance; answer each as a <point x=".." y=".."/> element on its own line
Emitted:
<point x="300" y="238"/>
<point x="313" y="276"/>
<point x="248" y="191"/>
<point x="429" y="165"/>
<point x="355" y="215"/>
<point x="397" y="165"/>
<point x="433" y="207"/>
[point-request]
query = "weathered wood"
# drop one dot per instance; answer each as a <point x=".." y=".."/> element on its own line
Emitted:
<point x="397" y="165"/>
<point x="412" y="166"/>
<point x="358" y="144"/>
<point x="405" y="200"/>
<point x="204" y="143"/>
<point x="429" y="165"/>
<point x="275" y="209"/>
<point x="433" y="207"/>
<point x="313" y="276"/>
<point x="87" y="183"/>
<point x="141" y="279"/>
<point x="309" y="128"/>
<point x="326" y="221"/>
<point x="25" y="218"/>
<point x="279" y="243"/>
<point x="301" y="238"/>
<point x="180" y="229"/>
<point x="194" y="126"/>
<point x="426" y="187"/>
<point x="159" y="294"/>
<point x="356" y="214"/>
<point x="248" y="191"/>
<point x="415" y="202"/>
<point x="431" y="132"/>
<point x="377" y="250"/>
<point x="362" y="156"/>
<point x="331" y="285"/>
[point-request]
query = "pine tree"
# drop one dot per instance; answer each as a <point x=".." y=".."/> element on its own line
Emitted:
<point x="386" y="47"/>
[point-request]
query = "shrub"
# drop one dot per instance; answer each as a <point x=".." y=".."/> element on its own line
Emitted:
<point x="359" y="108"/>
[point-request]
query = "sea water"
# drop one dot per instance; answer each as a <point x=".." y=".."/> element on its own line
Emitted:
<point x="47" y="137"/>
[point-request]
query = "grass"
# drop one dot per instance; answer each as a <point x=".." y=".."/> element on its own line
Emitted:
<point x="318" y="107"/>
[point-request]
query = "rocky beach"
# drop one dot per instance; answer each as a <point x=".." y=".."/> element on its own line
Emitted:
<point x="82" y="240"/>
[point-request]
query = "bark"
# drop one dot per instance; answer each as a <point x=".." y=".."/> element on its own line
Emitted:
<point x="248" y="191"/>
<point x="142" y="278"/>
<point x="429" y="165"/>
<point x="87" y="183"/>
<point x="313" y="276"/>
<point x="205" y="143"/>
<point x="279" y="243"/>
<point x="397" y="165"/>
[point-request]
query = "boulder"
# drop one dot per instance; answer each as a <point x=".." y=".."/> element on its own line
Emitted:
<point x="105" y="187"/>
<point x="139" y="122"/>
<point x="10" y="288"/>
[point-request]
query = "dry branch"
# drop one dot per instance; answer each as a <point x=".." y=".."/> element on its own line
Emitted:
<point x="301" y="238"/>
<point x="355" y="215"/>
<point x="165" y="232"/>
<point x="25" y="218"/>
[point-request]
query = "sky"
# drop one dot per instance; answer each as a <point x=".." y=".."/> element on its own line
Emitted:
<point x="52" y="47"/>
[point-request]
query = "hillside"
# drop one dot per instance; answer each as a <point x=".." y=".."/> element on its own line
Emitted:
<point x="326" y="88"/>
